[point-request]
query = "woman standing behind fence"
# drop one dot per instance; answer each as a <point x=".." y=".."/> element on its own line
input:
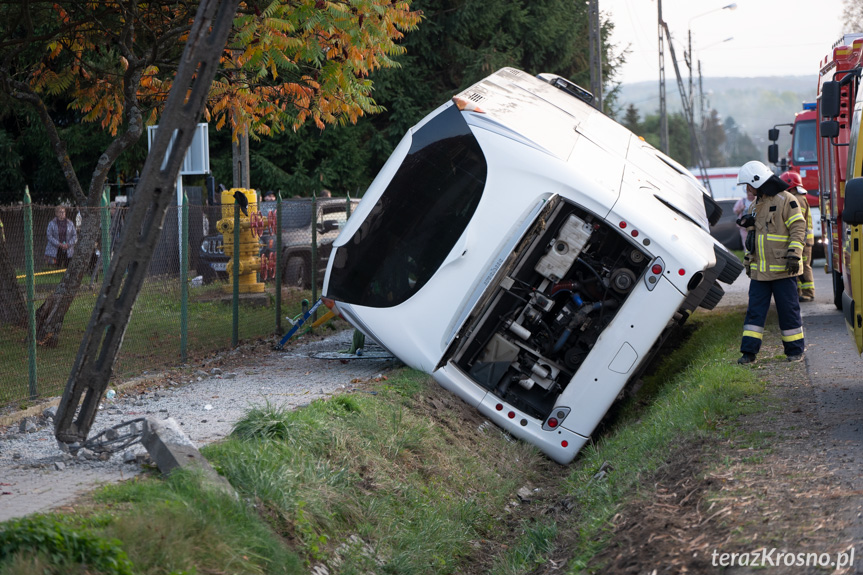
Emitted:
<point x="61" y="239"/>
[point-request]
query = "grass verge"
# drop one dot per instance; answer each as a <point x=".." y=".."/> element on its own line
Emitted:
<point x="405" y="479"/>
<point x="695" y="393"/>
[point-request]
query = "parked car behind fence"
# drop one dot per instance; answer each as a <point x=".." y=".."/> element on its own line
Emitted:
<point x="296" y="230"/>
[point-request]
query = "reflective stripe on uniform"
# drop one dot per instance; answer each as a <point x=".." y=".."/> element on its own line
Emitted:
<point x="794" y="218"/>
<point x="795" y="245"/>
<point x="775" y="268"/>
<point x="776" y="238"/>
<point x="806" y="285"/>
<point x="761" y="255"/>
<point x="755" y="331"/>
<point x="792" y="334"/>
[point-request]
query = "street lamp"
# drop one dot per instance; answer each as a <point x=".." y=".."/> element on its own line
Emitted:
<point x="732" y="6"/>
<point x="729" y="39"/>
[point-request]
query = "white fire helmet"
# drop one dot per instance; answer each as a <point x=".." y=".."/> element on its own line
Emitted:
<point x="753" y="173"/>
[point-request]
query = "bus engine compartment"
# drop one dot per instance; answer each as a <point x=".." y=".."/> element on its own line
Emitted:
<point x="570" y="276"/>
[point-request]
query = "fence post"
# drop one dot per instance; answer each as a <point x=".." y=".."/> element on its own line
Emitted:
<point x="314" y="259"/>
<point x="235" y="280"/>
<point x="106" y="234"/>
<point x="31" y="289"/>
<point x="278" y="282"/>
<point x="359" y="340"/>
<point x="184" y="281"/>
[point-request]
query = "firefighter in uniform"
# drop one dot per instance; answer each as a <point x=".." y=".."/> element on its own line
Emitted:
<point x="805" y="281"/>
<point x="774" y="247"/>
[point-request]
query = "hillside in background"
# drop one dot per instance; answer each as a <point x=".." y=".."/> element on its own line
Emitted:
<point x="756" y="104"/>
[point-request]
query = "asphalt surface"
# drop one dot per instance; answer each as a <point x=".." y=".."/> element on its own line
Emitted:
<point x="836" y="373"/>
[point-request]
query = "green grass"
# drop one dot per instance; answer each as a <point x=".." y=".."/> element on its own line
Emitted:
<point x="535" y="542"/>
<point x="382" y="483"/>
<point x="695" y="393"/>
<point x="372" y="467"/>
<point x="152" y="339"/>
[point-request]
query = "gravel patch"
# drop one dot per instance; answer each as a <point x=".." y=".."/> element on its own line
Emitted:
<point x="36" y="475"/>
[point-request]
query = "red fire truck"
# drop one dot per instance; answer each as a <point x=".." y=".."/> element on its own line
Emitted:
<point x="840" y="167"/>
<point x="802" y="158"/>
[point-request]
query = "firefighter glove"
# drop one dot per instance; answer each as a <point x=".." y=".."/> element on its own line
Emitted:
<point x="792" y="265"/>
<point x="746" y="221"/>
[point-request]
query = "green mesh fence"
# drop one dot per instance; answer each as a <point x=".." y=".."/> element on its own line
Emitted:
<point x="154" y="338"/>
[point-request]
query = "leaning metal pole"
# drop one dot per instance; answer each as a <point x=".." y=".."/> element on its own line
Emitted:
<point x="155" y="190"/>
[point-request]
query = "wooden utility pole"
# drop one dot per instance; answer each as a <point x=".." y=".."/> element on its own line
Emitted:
<point x="595" y="41"/>
<point x="693" y="151"/>
<point x="700" y="95"/>
<point x="663" y="114"/>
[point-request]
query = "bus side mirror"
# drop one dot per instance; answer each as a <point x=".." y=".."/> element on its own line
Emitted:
<point x="829" y="129"/>
<point x="852" y="214"/>
<point x="829" y="99"/>
<point x="773" y="153"/>
<point x="773" y="134"/>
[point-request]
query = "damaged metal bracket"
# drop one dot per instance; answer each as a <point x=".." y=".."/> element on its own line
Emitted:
<point x="117" y="438"/>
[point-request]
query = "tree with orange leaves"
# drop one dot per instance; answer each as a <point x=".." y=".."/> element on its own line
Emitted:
<point x="288" y="62"/>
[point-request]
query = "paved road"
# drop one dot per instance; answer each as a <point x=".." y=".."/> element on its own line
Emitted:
<point x="836" y="372"/>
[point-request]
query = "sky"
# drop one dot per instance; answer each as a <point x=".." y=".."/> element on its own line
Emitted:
<point x="769" y="37"/>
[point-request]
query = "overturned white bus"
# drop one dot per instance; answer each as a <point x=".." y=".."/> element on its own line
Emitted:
<point x="529" y="253"/>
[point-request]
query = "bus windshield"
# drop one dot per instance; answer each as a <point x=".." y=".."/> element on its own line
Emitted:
<point x="417" y="220"/>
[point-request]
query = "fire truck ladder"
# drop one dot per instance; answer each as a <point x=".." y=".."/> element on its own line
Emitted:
<point x="95" y="361"/>
<point x="687" y="109"/>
